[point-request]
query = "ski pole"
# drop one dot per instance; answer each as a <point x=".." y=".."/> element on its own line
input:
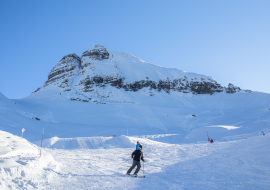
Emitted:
<point x="143" y="167"/>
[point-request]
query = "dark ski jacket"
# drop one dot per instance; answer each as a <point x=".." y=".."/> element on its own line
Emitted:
<point x="137" y="155"/>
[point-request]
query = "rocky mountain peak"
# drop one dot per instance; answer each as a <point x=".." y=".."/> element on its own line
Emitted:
<point x="96" y="76"/>
<point x="67" y="66"/>
<point x="97" y="52"/>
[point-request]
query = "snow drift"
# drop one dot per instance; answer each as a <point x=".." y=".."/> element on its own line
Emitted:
<point x="21" y="166"/>
<point x="87" y="143"/>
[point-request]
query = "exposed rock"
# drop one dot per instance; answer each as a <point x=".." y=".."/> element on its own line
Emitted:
<point x="232" y="89"/>
<point x="37" y="118"/>
<point x="98" y="102"/>
<point x="97" y="52"/>
<point x="60" y="75"/>
<point x="78" y="99"/>
<point x="36" y="90"/>
<point x="180" y="85"/>
<point x="68" y="66"/>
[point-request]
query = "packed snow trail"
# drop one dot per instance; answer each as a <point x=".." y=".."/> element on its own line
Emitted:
<point x="242" y="164"/>
<point x="238" y="164"/>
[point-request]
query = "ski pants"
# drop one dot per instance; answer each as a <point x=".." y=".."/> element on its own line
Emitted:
<point x="135" y="163"/>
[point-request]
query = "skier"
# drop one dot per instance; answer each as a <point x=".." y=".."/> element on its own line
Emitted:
<point x="138" y="145"/>
<point x="137" y="156"/>
<point x="210" y="140"/>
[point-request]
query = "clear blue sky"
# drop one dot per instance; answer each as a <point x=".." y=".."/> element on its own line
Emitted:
<point x="228" y="40"/>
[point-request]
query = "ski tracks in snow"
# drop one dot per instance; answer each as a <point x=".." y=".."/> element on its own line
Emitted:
<point x="106" y="168"/>
<point x="222" y="165"/>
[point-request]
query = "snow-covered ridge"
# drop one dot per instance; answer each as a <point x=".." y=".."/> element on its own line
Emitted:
<point x="106" y="74"/>
<point x="87" y="143"/>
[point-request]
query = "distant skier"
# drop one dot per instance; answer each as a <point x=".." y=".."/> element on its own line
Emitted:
<point x="263" y="133"/>
<point x="138" y="145"/>
<point x="210" y="140"/>
<point x="137" y="156"/>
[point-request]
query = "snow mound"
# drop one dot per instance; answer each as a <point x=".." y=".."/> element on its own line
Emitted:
<point x="217" y="133"/>
<point x="87" y="143"/>
<point x="14" y="146"/>
<point x="21" y="166"/>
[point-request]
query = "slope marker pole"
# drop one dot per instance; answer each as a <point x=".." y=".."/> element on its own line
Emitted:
<point x="41" y="142"/>
<point x="207" y="135"/>
<point x="23" y="131"/>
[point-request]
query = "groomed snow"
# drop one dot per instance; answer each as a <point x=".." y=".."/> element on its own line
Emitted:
<point x="237" y="164"/>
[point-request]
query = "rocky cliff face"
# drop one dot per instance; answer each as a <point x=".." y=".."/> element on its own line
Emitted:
<point x="179" y="85"/>
<point x="96" y="72"/>
<point x="60" y="75"/>
<point x="98" y="52"/>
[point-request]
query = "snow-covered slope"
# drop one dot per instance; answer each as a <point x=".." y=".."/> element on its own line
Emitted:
<point x="241" y="164"/>
<point x="221" y="165"/>
<point x="172" y="113"/>
<point x="21" y="166"/>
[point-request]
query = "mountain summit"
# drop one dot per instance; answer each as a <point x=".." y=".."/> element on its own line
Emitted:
<point x="100" y="74"/>
<point x="128" y="95"/>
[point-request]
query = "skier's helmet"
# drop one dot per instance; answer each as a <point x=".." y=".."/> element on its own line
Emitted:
<point x="140" y="147"/>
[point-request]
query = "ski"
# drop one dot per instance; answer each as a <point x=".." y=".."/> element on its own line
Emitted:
<point x="138" y="176"/>
<point x="143" y="176"/>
